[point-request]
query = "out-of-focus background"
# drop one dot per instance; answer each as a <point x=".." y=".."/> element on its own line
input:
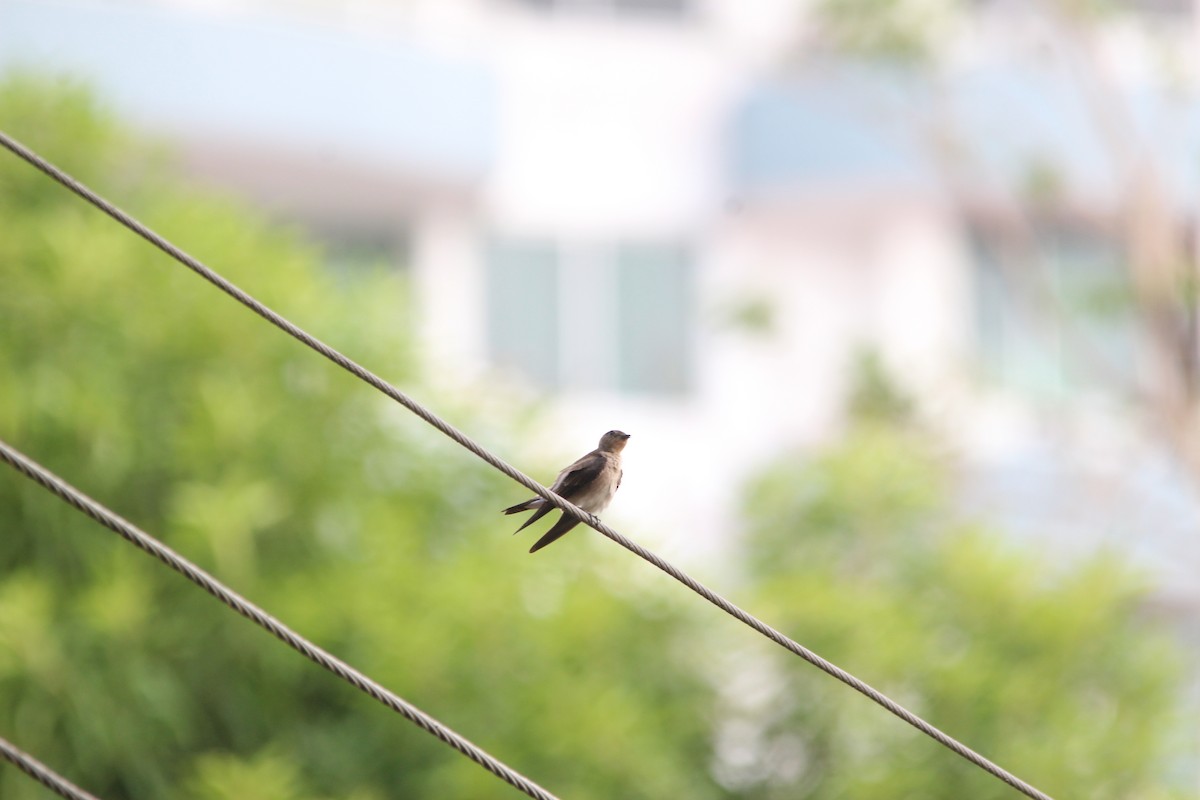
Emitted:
<point x="898" y="299"/>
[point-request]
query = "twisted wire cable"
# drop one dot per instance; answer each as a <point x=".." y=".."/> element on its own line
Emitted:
<point x="250" y="611"/>
<point x="465" y="441"/>
<point x="41" y="773"/>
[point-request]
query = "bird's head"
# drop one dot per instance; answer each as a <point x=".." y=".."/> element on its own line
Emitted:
<point x="613" y="441"/>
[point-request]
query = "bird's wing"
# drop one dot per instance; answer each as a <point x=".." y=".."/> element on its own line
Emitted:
<point x="579" y="475"/>
<point x="569" y="483"/>
<point x="564" y="524"/>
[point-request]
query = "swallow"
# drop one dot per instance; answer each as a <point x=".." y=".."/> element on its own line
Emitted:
<point x="589" y="483"/>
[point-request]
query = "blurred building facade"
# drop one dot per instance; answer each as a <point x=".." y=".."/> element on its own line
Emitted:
<point x="674" y="219"/>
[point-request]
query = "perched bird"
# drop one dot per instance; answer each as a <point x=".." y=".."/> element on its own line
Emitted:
<point x="589" y="483"/>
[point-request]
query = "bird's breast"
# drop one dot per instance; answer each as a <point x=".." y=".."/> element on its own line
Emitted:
<point x="597" y="496"/>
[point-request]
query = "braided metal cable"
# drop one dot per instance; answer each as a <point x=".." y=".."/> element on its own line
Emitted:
<point x="518" y="476"/>
<point x="250" y="611"/>
<point x="41" y="773"/>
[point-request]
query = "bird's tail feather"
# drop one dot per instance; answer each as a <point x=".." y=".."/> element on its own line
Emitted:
<point x="545" y="509"/>
<point x="528" y="505"/>
<point x="564" y="524"/>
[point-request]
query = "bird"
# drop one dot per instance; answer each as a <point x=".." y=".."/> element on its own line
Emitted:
<point x="589" y="483"/>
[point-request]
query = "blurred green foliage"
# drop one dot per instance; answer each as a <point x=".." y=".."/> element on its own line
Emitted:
<point x="874" y="396"/>
<point x="916" y="33"/>
<point x="306" y="491"/>
<point x="898" y="31"/>
<point x="1051" y="672"/>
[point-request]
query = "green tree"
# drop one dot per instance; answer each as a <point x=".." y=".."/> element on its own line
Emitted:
<point x="1050" y="671"/>
<point x="306" y="491"/>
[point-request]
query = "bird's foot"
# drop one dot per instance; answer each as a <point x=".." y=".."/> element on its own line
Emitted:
<point x="593" y="519"/>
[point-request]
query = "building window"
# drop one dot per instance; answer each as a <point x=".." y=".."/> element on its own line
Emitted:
<point x="654" y="305"/>
<point x="523" y="310"/>
<point x="1053" y="309"/>
<point x="652" y="9"/>
<point x="662" y="8"/>
<point x="1166" y="11"/>
<point x="615" y="317"/>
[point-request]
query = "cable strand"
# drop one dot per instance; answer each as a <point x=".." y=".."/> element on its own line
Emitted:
<point x="462" y="439"/>
<point x="41" y="773"/>
<point x="258" y="616"/>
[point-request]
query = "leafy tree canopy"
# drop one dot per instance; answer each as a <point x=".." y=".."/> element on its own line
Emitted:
<point x="307" y="492"/>
<point x="1052" y="671"/>
<point x="369" y="533"/>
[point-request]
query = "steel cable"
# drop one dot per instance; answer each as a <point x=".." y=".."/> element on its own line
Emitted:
<point x="41" y="773"/>
<point x="412" y="405"/>
<point x="250" y="611"/>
